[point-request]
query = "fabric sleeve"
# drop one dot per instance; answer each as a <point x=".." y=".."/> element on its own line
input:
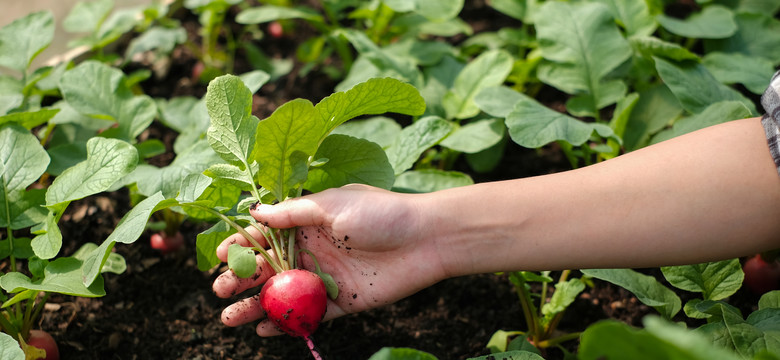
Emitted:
<point x="771" y="119"/>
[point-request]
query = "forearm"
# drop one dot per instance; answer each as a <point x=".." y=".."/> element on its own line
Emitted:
<point x="708" y="195"/>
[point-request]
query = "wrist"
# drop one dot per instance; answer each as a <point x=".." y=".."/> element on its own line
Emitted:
<point x="470" y="231"/>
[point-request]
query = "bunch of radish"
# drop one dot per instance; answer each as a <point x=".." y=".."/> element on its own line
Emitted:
<point x="294" y="299"/>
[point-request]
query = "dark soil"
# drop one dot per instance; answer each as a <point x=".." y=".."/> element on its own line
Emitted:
<point x="162" y="307"/>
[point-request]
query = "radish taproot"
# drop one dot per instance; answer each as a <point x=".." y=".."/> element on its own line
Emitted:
<point x="761" y="276"/>
<point x="44" y="341"/>
<point x="295" y="300"/>
<point x="165" y="243"/>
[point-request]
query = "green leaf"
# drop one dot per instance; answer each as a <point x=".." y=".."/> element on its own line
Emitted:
<point x="207" y="242"/>
<point x="500" y="339"/>
<point x="769" y="300"/>
<point x="758" y="35"/>
<point x="350" y="160"/>
<point x="114" y="264"/>
<point x="150" y="148"/>
<point x="476" y="136"/>
<point x="430" y="180"/>
<point x="47" y="244"/>
<point x="22" y="159"/>
<point x="611" y="339"/>
<point x="690" y="343"/>
<point x="649" y="46"/>
<point x="108" y="160"/>
<point x="388" y="353"/>
<point x="633" y="16"/>
<point x="192" y="187"/>
<point x="385" y="61"/>
<point x="380" y="130"/>
<point x="565" y="294"/>
<point x="267" y="13"/>
<point x="23" y="39"/>
<point x="514" y="8"/>
<point x="188" y="116"/>
<point x="127" y="231"/>
<point x="646" y="288"/>
<point x="242" y="260"/>
<point x="158" y="38"/>
<point x="219" y="194"/>
<point x="489" y="69"/>
<point x="254" y="80"/>
<point x="284" y="143"/>
<point x="511" y="355"/>
<point x="11" y="93"/>
<point x="582" y="45"/>
<point x="498" y="101"/>
<point x="151" y="179"/>
<point x="86" y="16"/>
<point x="62" y="276"/>
<point x="231" y="173"/>
<point x="232" y="130"/>
<point x="713" y="22"/>
<point x="533" y="125"/>
<point x="30" y="119"/>
<point x="715" y="280"/>
<point x="434" y="10"/>
<point x="9" y="348"/>
<point x="751" y="71"/>
<point x="759" y="333"/>
<point x="373" y="97"/>
<point x="695" y="87"/>
<point x="657" y="107"/>
<point x="416" y="139"/>
<point x="98" y="90"/>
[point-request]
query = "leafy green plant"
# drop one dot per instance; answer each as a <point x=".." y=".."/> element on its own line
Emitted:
<point x="216" y="60"/>
<point x="379" y="23"/>
<point x="541" y="315"/>
<point x="725" y="324"/>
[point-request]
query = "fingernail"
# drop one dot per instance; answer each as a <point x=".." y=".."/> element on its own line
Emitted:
<point x="253" y="207"/>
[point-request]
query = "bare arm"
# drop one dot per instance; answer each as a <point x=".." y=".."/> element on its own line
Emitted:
<point x="712" y="194"/>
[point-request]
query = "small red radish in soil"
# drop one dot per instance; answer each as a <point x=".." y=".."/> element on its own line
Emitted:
<point x="761" y="276"/>
<point x="44" y="341"/>
<point x="167" y="243"/>
<point x="295" y="300"/>
<point x="275" y="29"/>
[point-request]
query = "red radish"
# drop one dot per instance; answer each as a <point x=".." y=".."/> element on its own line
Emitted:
<point x="761" y="276"/>
<point x="197" y="70"/>
<point x="166" y="244"/>
<point x="275" y="29"/>
<point x="295" y="300"/>
<point x="44" y="341"/>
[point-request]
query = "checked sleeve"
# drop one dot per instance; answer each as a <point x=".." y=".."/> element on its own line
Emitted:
<point x="771" y="119"/>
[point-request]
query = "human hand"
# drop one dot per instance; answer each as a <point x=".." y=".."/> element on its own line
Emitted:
<point x="368" y="239"/>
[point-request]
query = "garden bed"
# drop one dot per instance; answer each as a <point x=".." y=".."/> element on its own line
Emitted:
<point x="162" y="305"/>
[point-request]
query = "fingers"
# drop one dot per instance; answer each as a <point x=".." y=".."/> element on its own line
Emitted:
<point x="303" y="211"/>
<point x="243" y="312"/>
<point x="229" y="284"/>
<point x="267" y="328"/>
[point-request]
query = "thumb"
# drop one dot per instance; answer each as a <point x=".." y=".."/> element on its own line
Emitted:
<point x="303" y="211"/>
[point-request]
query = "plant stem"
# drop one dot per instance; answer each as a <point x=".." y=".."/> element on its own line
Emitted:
<point x="558" y="340"/>
<point x="243" y="232"/>
<point x="531" y="319"/>
<point x="291" y="248"/>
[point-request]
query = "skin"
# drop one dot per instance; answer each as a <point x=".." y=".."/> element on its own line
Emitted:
<point x="704" y="196"/>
